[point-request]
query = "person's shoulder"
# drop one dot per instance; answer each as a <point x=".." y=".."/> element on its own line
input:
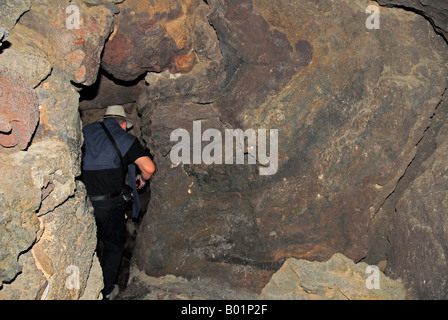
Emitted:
<point x="129" y="135"/>
<point x="89" y="125"/>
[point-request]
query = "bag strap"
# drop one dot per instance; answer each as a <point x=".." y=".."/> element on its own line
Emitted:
<point x="115" y="146"/>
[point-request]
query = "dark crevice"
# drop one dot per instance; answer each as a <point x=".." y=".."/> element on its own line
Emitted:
<point x="425" y="148"/>
<point x="420" y="13"/>
<point x="91" y="92"/>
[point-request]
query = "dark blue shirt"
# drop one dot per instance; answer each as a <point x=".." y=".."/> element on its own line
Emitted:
<point x="102" y="172"/>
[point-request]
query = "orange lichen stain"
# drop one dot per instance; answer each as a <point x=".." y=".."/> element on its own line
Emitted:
<point x="152" y="7"/>
<point x="92" y="26"/>
<point x="114" y="32"/>
<point x="75" y="58"/>
<point x="80" y="74"/>
<point x="43" y="114"/>
<point x="375" y="4"/>
<point x="180" y="28"/>
<point x="183" y="63"/>
<point x="80" y="41"/>
<point x="79" y="33"/>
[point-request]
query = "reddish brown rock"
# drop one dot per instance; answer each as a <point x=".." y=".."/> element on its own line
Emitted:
<point x="151" y="36"/>
<point x="72" y="44"/>
<point x="19" y="112"/>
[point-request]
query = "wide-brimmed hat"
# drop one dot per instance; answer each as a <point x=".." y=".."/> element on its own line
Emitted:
<point x="118" y="111"/>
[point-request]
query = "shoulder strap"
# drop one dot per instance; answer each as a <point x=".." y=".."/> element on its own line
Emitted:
<point x="115" y="146"/>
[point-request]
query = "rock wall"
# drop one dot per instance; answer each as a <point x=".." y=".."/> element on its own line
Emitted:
<point x="351" y="104"/>
<point x="409" y="230"/>
<point x="436" y="11"/>
<point x="48" y="233"/>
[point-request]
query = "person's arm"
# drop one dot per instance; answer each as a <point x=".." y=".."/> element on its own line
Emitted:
<point x="147" y="169"/>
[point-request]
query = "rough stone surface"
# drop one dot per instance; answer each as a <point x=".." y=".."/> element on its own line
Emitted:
<point x="19" y="57"/>
<point x="20" y="198"/>
<point x="417" y="233"/>
<point x="10" y="11"/>
<point x="62" y="233"/>
<point x="436" y="11"/>
<point x="48" y="232"/>
<point x="169" y="287"/>
<point x="94" y="283"/>
<point x="151" y="36"/>
<point x="350" y="105"/>
<point x="19" y="113"/>
<point x="339" y="278"/>
<point x="69" y="241"/>
<point x="59" y="116"/>
<point x="76" y="50"/>
<point x="46" y="186"/>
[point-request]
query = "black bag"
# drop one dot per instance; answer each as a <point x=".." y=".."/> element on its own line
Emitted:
<point x="127" y="193"/>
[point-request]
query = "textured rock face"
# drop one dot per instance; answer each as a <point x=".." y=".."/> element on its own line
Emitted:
<point x="417" y="222"/>
<point x="144" y="287"/>
<point x="48" y="233"/>
<point x="350" y="105"/>
<point x="418" y="234"/>
<point x="74" y="45"/>
<point x="436" y="11"/>
<point x="151" y="36"/>
<point x="19" y="110"/>
<point x="339" y="278"/>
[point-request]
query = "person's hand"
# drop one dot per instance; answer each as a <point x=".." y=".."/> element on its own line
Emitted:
<point x="140" y="181"/>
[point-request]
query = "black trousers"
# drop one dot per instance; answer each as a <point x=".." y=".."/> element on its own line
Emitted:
<point x="111" y="228"/>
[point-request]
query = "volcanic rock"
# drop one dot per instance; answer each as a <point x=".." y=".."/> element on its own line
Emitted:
<point x="436" y="11"/>
<point x="151" y="36"/>
<point x="350" y="105"/>
<point x="19" y="113"/>
<point x="339" y="278"/>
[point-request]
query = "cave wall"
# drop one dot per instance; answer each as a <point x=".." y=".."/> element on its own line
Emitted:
<point x="436" y="11"/>
<point x="48" y="233"/>
<point x="351" y="105"/>
<point x="410" y="228"/>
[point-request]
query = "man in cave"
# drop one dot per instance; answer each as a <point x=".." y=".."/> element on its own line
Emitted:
<point x="108" y="151"/>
